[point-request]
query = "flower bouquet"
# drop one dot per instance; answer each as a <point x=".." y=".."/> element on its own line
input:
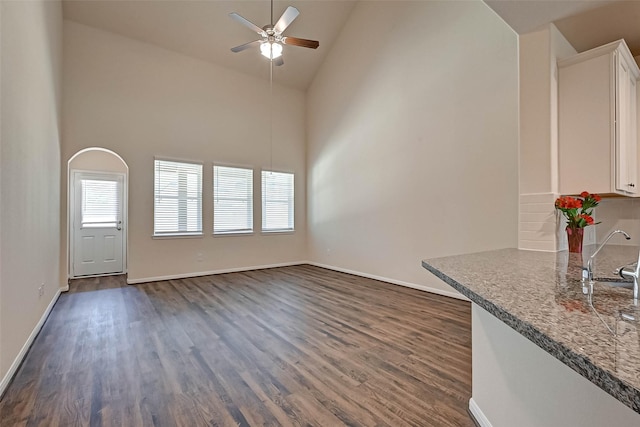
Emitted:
<point x="578" y="211"/>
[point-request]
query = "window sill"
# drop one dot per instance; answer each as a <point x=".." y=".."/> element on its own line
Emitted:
<point x="267" y="232"/>
<point x="233" y="233"/>
<point x="178" y="236"/>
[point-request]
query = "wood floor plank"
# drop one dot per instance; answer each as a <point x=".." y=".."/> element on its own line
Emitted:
<point x="290" y="346"/>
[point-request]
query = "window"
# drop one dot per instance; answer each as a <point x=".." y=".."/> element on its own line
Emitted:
<point x="100" y="205"/>
<point x="232" y="200"/>
<point x="277" y="201"/>
<point x="177" y="198"/>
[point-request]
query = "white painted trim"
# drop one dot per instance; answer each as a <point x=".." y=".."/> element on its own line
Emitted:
<point x="449" y="294"/>
<point x="71" y="210"/>
<point x="424" y="288"/>
<point x="213" y="272"/>
<point x="27" y="345"/>
<point x="477" y="413"/>
<point x="179" y="160"/>
<point x="88" y="276"/>
<point x="620" y="45"/>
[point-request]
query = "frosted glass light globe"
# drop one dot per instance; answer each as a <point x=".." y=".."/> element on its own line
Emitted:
<point x="271" y="50"/>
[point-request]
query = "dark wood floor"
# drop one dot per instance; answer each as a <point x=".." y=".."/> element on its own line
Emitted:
<point x="286" y="346"/>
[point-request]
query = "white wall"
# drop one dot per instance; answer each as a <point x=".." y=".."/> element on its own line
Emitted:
<point x="413" y="139"/>
<point x="535" y="114"/>
<point x="539" y="52"/>
<point x="31" y="55"/>
<point x="621" y="213"/>
<point x="516" y="383"/>
<point x="538" y="227"/>
<point x="142" y="101"/>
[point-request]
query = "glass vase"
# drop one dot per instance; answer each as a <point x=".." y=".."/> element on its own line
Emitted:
<point x="574" y="237"/>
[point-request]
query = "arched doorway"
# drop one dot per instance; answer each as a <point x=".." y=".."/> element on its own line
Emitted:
<point x="97" y="213"/>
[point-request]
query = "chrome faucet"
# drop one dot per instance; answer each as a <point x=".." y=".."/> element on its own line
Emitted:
<point x="635" y="275"/>
<point x="587" y="274"/>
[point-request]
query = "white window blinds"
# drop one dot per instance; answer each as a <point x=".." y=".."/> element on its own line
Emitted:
<point x="177" y="198"/>
<point x="232" y="200"/>
<point x="277" y="201"/>
<point x="100" y="203"/>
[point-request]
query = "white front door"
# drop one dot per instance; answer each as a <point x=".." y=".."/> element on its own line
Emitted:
<point x="98" y="225"/>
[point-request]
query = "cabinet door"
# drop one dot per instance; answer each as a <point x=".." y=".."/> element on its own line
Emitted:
<point x="626" y="131"/>
<point x="586" y="108"/>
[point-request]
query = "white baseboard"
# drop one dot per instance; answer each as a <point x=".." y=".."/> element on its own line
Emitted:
<point x="25" y="348"/>
<point x="477" y="413"/>
<point x="212" y="272"/>
<point x="450" y="294"/>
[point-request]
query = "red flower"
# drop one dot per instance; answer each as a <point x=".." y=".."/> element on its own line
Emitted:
<point x="568" y="202"/>
<point x="578" y="211"/>
<point x="586" y="195"/>
<point x="587" y="218"/>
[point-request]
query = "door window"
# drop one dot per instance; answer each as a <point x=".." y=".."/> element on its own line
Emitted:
<point x="100" y="203"/>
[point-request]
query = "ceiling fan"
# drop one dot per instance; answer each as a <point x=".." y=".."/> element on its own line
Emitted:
<point x="272" y="38"/>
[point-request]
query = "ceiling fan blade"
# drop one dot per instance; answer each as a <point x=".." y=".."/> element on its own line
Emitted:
<point x="247" y="23"/>
<point x="294" y="41"/>
<point x="278" y="61"/>
<point x="245" y="46"/>
<point x="286" y="19"/>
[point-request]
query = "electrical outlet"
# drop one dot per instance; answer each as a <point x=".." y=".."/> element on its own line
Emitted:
<point x="199" y="257"/>
<point x="41" y="290"/>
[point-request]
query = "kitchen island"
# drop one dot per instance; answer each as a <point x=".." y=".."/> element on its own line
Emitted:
<point x="548" y="351"/>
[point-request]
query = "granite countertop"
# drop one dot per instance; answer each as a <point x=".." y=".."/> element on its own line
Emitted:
<point x="595" y="332"/>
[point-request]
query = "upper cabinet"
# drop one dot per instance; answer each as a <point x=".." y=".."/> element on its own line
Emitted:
<point x="598" y="122"/>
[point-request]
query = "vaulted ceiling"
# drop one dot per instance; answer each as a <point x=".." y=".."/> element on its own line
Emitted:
<point x="204" y="30"/>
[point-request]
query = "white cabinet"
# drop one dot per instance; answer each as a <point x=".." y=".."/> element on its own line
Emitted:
<point x="597" y="122"/>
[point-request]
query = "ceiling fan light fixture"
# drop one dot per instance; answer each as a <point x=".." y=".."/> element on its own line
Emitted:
<point x="271" y="50"/>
